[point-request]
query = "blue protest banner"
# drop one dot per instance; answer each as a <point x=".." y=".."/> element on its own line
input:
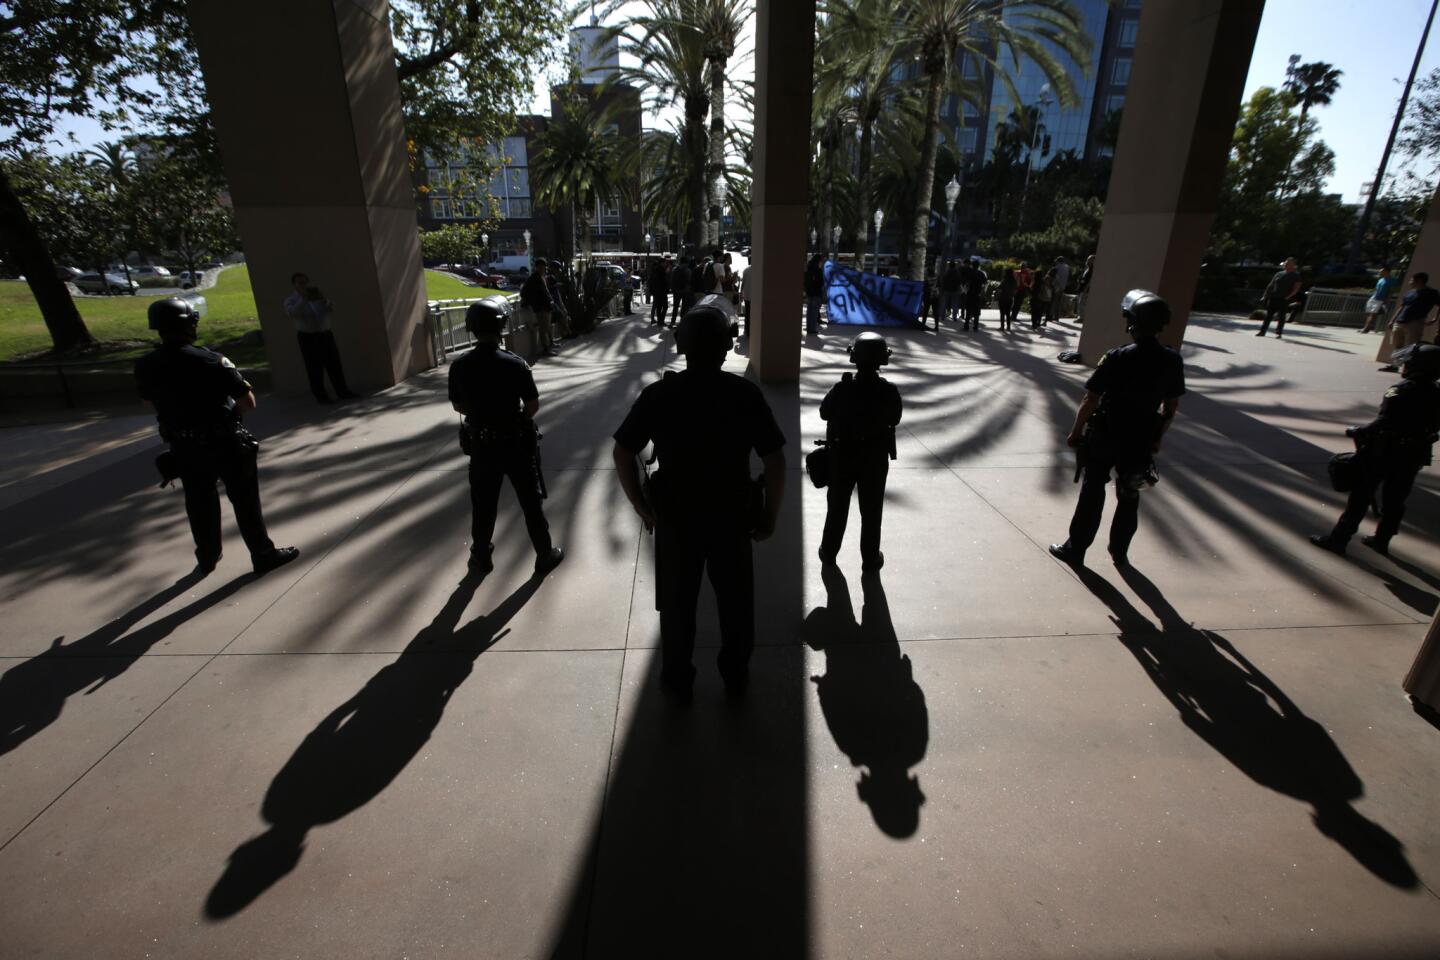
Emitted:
<point x="868" y="300"/>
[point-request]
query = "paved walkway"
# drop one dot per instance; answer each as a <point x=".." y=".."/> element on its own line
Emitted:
<point x="982" y="753"/>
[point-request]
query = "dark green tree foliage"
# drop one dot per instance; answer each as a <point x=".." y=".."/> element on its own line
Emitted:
<point x="577" y="163"/>
<point x="1420" y="136"/>
<point x="181" y="212"/>
<point x="1073" y="233"/>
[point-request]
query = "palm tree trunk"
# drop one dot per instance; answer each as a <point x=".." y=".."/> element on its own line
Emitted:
<point x="862" y="200"/>
<point x="27" y="249"/>
<point x="696" y="156"/>
<point x="827" y="209"/>
<point x="920" y="222"/>
<point x="715" y="170"/>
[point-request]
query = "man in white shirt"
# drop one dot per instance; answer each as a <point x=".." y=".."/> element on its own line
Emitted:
<point x="311" y="314"/>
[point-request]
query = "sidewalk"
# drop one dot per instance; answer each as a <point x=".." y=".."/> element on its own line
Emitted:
<point x="985" y="754"/>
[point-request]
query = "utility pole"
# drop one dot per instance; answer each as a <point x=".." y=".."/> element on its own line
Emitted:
<point x="1353" y="261"/>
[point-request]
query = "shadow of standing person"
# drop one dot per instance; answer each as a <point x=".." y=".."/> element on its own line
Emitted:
<point x="1233" y="706"/>
<point x="363" y="744"/>
<point x="874" y="708"/>
<point x="33" y="693"/>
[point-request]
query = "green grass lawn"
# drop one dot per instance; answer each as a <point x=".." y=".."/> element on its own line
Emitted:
<point x="120" y="323"/>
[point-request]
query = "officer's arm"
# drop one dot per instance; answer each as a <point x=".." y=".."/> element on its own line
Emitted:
<point x="629" y="472"/>
<point x="532" y="407"/>
<point x="1082" y="416"/>
<point x="774" y="490"/>
<point x="245" y="404"/>
<point x="1167" y="417"/>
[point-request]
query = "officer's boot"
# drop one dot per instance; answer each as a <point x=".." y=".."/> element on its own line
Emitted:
<point x="1377" y="543"/>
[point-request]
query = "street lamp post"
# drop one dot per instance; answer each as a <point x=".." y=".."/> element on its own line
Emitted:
<point x="812" y="239"/>
<point x="879" y="220"/>
<point x="952" y="197"/>
<point x="1041" y="103"/>
<point x="485" y="248"/>
<point x="529" y="255"/>
<point x="835" y="242"/>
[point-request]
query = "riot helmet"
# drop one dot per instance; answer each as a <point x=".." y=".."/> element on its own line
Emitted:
<point x="1419" y="361"/>
<point x="172" y="317"/>
<point x="869" y="351"/>
<point x="1145" y="313"/>
<point x="486" y="318"/>
<point x="707" y="327"/>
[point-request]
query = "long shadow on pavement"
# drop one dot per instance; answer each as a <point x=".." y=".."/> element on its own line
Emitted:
<point x="1233" y="706"/>
<point x="34" y="692"/>
<point x="364" y="744"/>
<point x="874" y="708"/>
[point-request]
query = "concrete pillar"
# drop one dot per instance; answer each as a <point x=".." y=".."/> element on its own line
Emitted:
<point x="1425" y="259"/>
<point x="1186" y="82"/>
<point x="784" y="51"/>
<point x="1423" y="680"/>
<point x="307" y="111"/>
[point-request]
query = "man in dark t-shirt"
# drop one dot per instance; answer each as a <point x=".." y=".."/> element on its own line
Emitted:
<point x="1415" y="308"/>
<point x="1279" y="292"/>
<point x="701" y="502"/>
<point x="1130" y="400"/>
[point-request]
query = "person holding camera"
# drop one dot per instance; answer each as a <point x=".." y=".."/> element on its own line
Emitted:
<point x="861" y="412"/>
<point x="701" y="503"/>
<point x="1391" y="450"/>
<point x="199" y="397"/>
<point x="495" y="391"/>
<point x="311" y="313"/>
<point x="1130" y="401"/>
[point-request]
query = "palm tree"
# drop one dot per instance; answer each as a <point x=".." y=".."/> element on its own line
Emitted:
<point x="998" y="33"/>
<point x="114" y="159"/>
<point x="720" y="23"/>
<point x="577" y="164"/>
<point x="1313" y="84"/>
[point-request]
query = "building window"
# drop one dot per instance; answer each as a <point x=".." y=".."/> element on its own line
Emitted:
<point x="968" y="138"/>
<point x="968" y="110"/>
<point x="519" y="209"/>
<point x="1120" y="71"/>
<point x="440" y="208"/>
<point x="1132" y="4"/>
<point x="1128" y="31"/>
<point x="1115" y="103"/>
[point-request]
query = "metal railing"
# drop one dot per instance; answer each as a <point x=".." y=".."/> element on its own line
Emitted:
<point x="447" y="322"/>
<point x="1340" y="307"/>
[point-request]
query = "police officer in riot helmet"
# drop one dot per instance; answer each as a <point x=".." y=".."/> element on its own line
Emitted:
<point x="199" y="398"/>
<point x="861" y="412"/>
<point x="1391" y="450"/>
<point x="1130" y="401"/>
<point x="701" y="502"/>
<point x="495" y="391"/>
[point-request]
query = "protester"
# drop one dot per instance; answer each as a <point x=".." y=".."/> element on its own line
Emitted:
<point x="1083" y="288"/>
<point x="1379" y="303"/>
<point x="1006" y="298"/>
<point x="1282" y="288"/>
<point x="814" y="294"/>
<point x="311" y="313"/>
<point x="1415" y="308"/>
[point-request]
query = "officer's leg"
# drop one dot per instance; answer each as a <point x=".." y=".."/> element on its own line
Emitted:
<point x="333" y="365"/>
<point x="1394" y="490"/>
<point x="202" y="506"/>
<point x="310" y="353"/>
<point x="730" y="562"/>
<point x="242" y="487"/>
<point x="679" y="557"/>
<point x="837" y="504"/>
<point x="1125" y="521"/>
<point x="525" y="480"/>
<point x="485" y="476"/>
<point x="871" y="482"/>
<point x="1362" y="494"/>
<point x="1085" y="523"/>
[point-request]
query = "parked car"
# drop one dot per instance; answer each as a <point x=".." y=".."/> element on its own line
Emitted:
<point x="68" y="274"/>
<point x="186" y="279"/>
<point x="110" y="283"/>
<point x="149" y="272"/>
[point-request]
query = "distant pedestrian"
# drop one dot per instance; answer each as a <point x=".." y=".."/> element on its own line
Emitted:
<point x="311" y="313"/>
<point x="1279" y="292"/>
<point x="535" y="294"/>
<point x="1040" y="299"/>
<point x="975" y="293"/>
<point x="1024" y="283"/>
<point x="747" y="287"/>
<point x="814" y="293"/>
<point x="680" y="289"/>
<point x="659" y="291"/>
<point x="1379" y="303"/>
<point x="1415" y="308"/>
<point x="952" y="284"/>
<point x="1083" y="288"/>
<point x="1061" y="271"/>
<point x="1005" y="296"/>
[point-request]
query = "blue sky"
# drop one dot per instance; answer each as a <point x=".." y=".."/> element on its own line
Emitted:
<point x="1373" y="41"/>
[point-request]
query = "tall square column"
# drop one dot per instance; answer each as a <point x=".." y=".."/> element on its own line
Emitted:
<point x="1191" y="59"/>
<point x="306" y="104"/>
<point x="1425" y="259"/>
<point x="784" y="54"/>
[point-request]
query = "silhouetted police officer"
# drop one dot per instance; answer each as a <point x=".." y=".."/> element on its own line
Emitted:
<point x="199" y="398"/>
<point x="496" y="392"/>
<point x="1391" y="450"/>
<point x="1130" y="400"/>
<point x="701" y="502"/>
<point x="861" y="412"/>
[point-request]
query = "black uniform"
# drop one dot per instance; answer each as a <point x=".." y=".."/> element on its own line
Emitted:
<point x="659" y="293"/>
<point x="194" y="392"/>
<point x="492" y="384"/>
<point x="704" y="423"/>
<point x="680" y="289"/>
<point x="1132" y="381"/>
<point x="974" y="296"/>
<point x="862" y="412"/>
<point x="1391" y="451"/>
